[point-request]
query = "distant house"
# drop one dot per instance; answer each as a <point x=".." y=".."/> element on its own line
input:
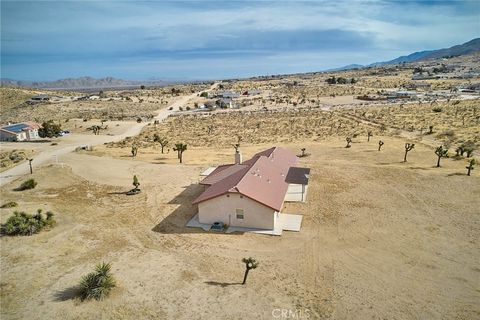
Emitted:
<point x="24" y="131"/>
<point x="224" y="103"/>
<point x="251" y="92"/>
<point x="251" y="194"/>
<point x="228" y="94"/>
<point x="418" y="85"/>
<point x="40" y="97"/>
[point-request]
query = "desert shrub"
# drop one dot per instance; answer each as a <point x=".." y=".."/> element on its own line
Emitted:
<point x="10" y="204"/>
<point x="25" y="224"/>
<point x="98" y="284"/>
<point x="437" y="109"/>
<point x="446" y="134"/>
<point x="26" y="185"/>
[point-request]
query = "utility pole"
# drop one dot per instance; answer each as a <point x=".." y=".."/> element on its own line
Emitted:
<point x="30" y="163"/>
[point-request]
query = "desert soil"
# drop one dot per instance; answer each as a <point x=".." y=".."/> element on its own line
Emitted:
<point x="380" y="239"/>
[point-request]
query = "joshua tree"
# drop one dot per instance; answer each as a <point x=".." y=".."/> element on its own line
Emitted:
<point x="135" y="183"/>
<point x="380" y="144"/>
<point x="408" y="147"/>
<point x="97" y="285"/>
<point x="303" y="152"/>
<point x="349" y="140"/>
<point x="134" y="150"/>
<point x="250" y="263"/>
<point x="430" y="129"/>
<point x="180" y="148"/>
<point x="467" y="147"/>
<point x="441" y="153"/>
<point x="369" y="134"/>
<point x="471" y="165"/>
<point x="163" y="141"/>
<point x="236" y="146"/>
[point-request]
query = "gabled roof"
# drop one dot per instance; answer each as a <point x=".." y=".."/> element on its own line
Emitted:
<point x="262" y="178"/>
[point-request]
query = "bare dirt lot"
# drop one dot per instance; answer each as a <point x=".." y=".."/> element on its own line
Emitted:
<point x="380" y="239"/>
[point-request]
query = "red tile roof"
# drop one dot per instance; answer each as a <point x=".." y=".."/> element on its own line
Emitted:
<point x="261" y="178"/>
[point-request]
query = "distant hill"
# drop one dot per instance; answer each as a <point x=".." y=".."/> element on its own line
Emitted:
<point x="469" y="47"/>
<point x="79" y="83"/>
<point x="458" y="50"/>
<point x="349" y="67"/>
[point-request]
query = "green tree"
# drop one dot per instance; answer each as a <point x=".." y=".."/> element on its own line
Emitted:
<point x="250" y="263"/>
<point x="204" y="94"/>
<point x="441" y="153"/>
<point x="49" y="129"/>
<point x="180" y="148"/>
<point x="98" y="284"/>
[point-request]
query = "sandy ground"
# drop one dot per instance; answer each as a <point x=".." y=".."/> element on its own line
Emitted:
<point x="381" y="239"/>
<point x="116" y="131"/>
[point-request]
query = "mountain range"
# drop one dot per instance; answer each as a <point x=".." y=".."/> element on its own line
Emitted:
<point x="109" y="82"/>
<point x="81" y="83"/>
<point x="469" y="47"/>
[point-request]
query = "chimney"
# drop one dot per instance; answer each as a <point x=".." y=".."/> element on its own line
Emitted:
<point x="238" y="156"/>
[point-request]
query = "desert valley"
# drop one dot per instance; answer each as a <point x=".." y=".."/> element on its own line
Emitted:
<point x="379" y="236"/>
<point x="348" y="193"/>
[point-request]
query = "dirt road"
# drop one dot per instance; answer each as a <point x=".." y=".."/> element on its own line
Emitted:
<point x="50" y="154"/>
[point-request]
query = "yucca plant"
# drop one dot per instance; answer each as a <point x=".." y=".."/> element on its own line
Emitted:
<point x="98" y="284"/>
<point x="25" y="224"/>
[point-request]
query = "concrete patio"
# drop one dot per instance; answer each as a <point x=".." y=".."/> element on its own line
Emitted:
<point x="285" y="222"/>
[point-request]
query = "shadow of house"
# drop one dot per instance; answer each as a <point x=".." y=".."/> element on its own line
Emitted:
<point x="176" y="221"/>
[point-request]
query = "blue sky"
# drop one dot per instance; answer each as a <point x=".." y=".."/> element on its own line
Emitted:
<point x="48" y="40"/>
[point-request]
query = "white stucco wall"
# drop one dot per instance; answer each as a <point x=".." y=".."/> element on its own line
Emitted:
<point x="220" y="208"/>
<point x="32" y="134"/>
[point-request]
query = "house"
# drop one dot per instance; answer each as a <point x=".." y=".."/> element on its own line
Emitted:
<point x="225" y="103"/>
<point x="251" y="194"/>
<point x="40" y="97"/>
<point x="228" y="94"/>
<point x="25" y="131"/>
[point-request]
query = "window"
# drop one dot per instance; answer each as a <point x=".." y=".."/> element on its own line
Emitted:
<point x="239" y="214"/>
